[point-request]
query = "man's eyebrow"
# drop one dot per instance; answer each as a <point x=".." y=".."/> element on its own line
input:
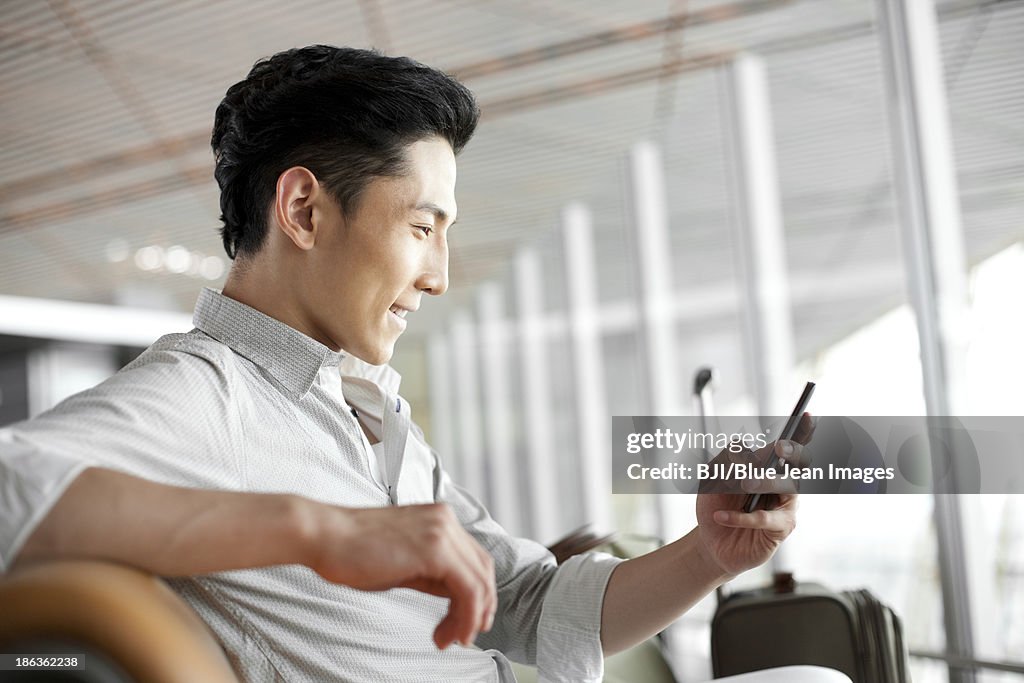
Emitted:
<point x="438" y="212"/>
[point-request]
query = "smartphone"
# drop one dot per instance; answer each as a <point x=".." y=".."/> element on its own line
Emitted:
<point x="754" y="499"/>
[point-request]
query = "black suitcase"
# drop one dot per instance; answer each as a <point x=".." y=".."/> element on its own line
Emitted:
<point x="806" y="623"/>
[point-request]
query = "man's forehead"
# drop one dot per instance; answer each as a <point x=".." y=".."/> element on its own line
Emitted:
<point x="430" y="182"/>
<point x="442" y="214"/>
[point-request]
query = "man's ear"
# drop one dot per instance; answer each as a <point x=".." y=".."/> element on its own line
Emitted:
<point x="297" y="188"/>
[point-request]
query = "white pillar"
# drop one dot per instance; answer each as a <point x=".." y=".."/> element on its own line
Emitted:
<point x="536" y="396"/>
<point x="654" y="267"/>
<point x="593" y="423"/>
<point x="656" y="322"/>
<point x="495" y="365"/>
<point x="929" y="211"/>
<point x="442" y="403"/>
<point x="760" y="239"/>
<point x="467" y="400"/>
<point x="929" y="201"/>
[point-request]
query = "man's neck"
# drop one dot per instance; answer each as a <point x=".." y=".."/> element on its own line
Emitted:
<point x="273" y="298"/>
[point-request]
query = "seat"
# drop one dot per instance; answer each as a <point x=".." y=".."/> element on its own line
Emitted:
<point x="127" y="625"/>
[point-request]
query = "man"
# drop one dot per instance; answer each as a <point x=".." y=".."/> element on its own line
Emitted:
<point x="264" y="461"/>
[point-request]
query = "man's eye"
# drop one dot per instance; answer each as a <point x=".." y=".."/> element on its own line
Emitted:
<point x="425" y="228"/>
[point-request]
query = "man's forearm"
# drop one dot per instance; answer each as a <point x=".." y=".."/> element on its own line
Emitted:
<point x="646" y="594"/>
<point x="169" y="530"/>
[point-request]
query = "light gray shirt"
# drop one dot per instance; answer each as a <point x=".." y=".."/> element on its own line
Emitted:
<point x="246" y="403"/>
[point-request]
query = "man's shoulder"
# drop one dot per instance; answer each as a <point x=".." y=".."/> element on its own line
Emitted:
<point x="179" y="375"/>
<point x="189" y="352"/>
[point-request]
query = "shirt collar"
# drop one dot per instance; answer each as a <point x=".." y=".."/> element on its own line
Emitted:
<point x="384" y="376"/>
<point x="289" y="356"/>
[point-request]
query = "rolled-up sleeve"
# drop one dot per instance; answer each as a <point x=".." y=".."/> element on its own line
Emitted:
<point x="31" y="482"/>
<point x="163" y="418"/>
<point x="549" y="615"/>
<point x="569" y="632"/>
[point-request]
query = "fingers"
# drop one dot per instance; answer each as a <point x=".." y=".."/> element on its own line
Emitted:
<point x="487" y="596"/>
<point x="805" y="430"/>
<point x="761" y="478"/>
<point x="460" y="610"/>
<point x="466" y="571"/>
<point x="790" y="452"/>
<point x="462" y="621"/>
<point x="490" y="606"/>
<point x="422" y="547"/>
<point x="779" y="520"/>
<point x="766" y="486"/>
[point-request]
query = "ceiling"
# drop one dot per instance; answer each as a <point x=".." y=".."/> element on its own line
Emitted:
<point x="107" y="106"/>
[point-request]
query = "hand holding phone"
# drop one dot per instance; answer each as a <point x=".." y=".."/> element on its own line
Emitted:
<point x="787" y="433"/>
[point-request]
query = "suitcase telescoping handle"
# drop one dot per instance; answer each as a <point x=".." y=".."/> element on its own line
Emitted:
<point x="703" y="388"/>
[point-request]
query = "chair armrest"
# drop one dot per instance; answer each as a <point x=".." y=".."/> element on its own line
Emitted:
<point x="126" y="614"/>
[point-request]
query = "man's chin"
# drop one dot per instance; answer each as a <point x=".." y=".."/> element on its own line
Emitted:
<point x="379" y="356"/>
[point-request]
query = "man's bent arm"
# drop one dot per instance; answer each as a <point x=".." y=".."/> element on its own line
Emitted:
<point x="176" y="531"/>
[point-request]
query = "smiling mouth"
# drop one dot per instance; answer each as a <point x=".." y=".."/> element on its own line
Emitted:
<point x="400" y="312"/>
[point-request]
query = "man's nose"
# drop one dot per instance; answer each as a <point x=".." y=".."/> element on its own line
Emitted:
<point x="434" y="279"/>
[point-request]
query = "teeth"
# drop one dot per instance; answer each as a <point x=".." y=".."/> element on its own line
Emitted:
<point x="400" y="312"/>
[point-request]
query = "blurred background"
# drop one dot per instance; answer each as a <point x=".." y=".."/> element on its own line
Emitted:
<point x="783" y="190"/>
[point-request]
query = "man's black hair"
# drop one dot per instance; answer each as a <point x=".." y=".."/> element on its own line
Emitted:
<point x="345" y="114"/>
